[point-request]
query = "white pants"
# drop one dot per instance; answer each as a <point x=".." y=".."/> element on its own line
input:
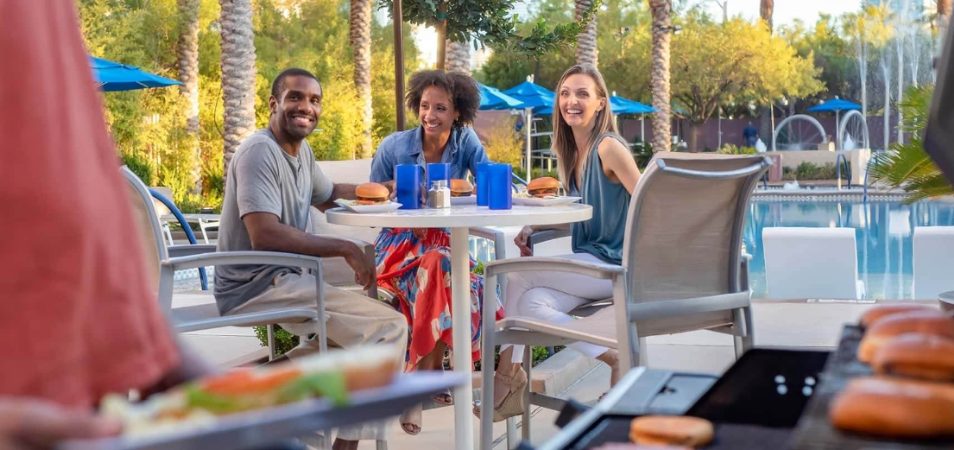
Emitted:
<point x="550" y="295"/>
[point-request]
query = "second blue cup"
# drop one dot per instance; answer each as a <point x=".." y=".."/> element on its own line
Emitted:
<point x="438" y="171"/>
<point x="500" y="195"/>
<point x="482" y="177"/>
<point x="407" y="185"/>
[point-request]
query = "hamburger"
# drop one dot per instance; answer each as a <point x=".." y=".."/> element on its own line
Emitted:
<point x="543" y="187"/>
<point x="371" y="194"/>
<point x="461" y="188"/>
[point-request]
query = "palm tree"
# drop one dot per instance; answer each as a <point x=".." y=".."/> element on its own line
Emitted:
<point x="662" y="27"/>
<point x="360" y="36"/>
<point x="943" y="16"/>
<point x="238" y="73"/>
<point x="458" y="57"/>
<point x="187" y="55"/>
<point x="766" y="10"/>
<point x="586" y="51"/>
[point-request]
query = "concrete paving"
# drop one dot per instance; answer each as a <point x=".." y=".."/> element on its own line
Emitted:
<point x="801" y="324"/>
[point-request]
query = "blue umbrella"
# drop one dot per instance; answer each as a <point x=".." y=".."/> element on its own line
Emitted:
<point x="834" y="105"/>
<point x="113" y="76"/>
<point x="532" y="95"/>
<point x="626" y="106"/>
<point x="492" y="98"/>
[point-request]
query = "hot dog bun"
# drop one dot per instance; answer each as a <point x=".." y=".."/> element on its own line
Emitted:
<point x="925" y="322"/>
<point x="878" y="312"/>
<point x="671" y="430"/>
<point x="895" y="408"/>
<point x="916" y="355"/>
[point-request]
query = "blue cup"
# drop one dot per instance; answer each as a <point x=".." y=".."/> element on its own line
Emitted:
<point x="500" y="195"/>
<point x="438" y="171"/>
<point x="482" y="176"/>
<point x="407" y="185"/>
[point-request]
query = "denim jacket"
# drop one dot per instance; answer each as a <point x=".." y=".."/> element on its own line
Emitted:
<point x="463" y="152"/>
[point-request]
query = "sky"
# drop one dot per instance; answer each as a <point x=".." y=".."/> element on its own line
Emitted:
<point x="786" y="11"/>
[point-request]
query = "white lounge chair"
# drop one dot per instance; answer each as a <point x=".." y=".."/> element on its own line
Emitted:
<point x="803" y="262"/>
<point x="933" y="261"/>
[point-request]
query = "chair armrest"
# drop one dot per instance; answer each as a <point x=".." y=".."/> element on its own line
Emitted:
<point x="486" y="232"/>
<point x="176" y="251"/>
<point x="541" y="236"/>
<point x="537" y="263"/>
<point x="244" y="257"/>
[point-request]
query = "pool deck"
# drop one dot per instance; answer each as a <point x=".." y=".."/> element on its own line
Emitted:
<point x="814" y="324"/>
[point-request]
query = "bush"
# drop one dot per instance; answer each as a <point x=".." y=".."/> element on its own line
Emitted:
<point x="140" y="166"/>
<point x="730" y="149"/>
<point x="503" y="143"/>
<point x="809" y="171"/>
<point x="642" y="152"/>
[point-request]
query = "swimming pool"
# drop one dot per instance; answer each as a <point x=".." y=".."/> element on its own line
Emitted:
<point x="884" y="231"/>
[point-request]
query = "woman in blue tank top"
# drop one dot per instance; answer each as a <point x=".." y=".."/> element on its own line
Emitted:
<point x="596" y="164"/>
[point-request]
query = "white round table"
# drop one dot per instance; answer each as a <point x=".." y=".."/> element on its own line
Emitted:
<point x="459" y="219"/>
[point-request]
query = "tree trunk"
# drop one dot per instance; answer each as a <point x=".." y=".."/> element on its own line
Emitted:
<point x="360" y="37"/>
<point x="863" y="75"/>
<point x="766" y="11"/>
<point x="886" y="73"/>
<point x="458" y="57"/>
<point x="187" y="55"/>
<point x="586" y="51"/>
<point x="695" y="143"/>
<point x="238" y="73"/>
<point x="943" y="17"/>
<point x="899" y="47"/>
<point x="662" y="120"/>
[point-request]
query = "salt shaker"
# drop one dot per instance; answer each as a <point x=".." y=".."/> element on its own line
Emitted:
<point x="439" y="195"/>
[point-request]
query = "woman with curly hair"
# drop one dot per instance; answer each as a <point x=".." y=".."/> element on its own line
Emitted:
<point x="413" y="265"/>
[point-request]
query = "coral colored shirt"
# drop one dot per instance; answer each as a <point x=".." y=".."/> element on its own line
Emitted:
<point x="77" y="316"/>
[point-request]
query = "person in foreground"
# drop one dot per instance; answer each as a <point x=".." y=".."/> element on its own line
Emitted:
<point x="595" y="164"/>
<point x="414" y="264"/>
<point x="272" y="182"/>
<point x="79" y="316"/>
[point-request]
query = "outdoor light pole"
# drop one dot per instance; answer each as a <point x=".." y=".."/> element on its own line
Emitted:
<point x="397" y="16"/>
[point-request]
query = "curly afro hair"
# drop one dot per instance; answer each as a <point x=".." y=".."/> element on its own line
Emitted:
<point x="461" y="87"/>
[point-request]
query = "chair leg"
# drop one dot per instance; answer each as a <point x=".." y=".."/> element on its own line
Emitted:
<point x="270" y="330"/>
<point x="527" y="353"/>
<point x="641" y="354"/>
<point x="511" y="432"/>
<point x="381" y="444"/>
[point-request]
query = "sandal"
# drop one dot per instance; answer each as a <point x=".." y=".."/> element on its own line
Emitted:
<point x="513" y="403"/>
<point x="411" y="420"/>
<point x="445" y="398"/>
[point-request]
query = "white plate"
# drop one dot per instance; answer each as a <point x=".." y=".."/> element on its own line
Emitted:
<point x="533" y="201"/>
<point x="468" y="200"/>
<point x="379" y="208"/>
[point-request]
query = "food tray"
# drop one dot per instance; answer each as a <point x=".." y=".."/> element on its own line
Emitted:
<point x="258" y="428"/>
<point x="814" y="431"/>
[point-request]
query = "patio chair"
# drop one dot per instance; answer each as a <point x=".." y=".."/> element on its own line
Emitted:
<point x="194" y="311"/>
<point x="933" y="261"/>
<point x="681" y="270"/>
<point x="802" y="262"/>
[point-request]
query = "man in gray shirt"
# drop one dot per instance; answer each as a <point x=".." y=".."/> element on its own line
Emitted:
<point x="273" y="180"/>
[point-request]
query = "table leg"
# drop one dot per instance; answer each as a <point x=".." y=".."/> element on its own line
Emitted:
<point x="460" y="298"/>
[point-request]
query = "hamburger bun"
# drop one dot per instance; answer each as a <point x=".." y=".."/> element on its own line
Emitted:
<point x="543" y="187"/>
<point x="371" y="194"/>
<point x="882" y="331"/>
<point x="916" y="355"/>
<point x="671" y="430"/>
<point x="878" y="312"/>
<point x="461" y="188"/>
<point x="894" y="408"/>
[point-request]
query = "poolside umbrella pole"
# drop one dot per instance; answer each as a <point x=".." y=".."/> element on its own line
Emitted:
<point x="533" y="96"/>
<point x="835" y="105"/>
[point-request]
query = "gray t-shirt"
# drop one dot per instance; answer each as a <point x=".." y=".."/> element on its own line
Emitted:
<point x="263" y="178"/>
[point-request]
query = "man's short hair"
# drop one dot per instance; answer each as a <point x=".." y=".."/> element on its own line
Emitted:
<point x="279" y="83"/>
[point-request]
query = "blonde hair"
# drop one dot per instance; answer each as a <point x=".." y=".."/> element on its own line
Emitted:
<point x="564" y="145"/>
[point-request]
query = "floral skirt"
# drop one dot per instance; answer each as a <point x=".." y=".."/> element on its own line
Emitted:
<point x="414" y="265"/>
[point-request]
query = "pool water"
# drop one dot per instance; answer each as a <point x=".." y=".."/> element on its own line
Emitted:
<point x="883" y="231"/>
